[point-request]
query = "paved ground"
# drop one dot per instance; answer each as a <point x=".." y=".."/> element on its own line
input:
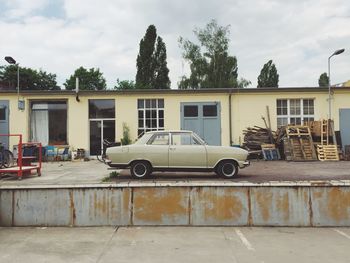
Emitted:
<point x="259" y="171"/>
<point x="175" y="244"/>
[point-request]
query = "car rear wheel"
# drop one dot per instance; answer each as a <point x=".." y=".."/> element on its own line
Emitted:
<point x="227" y="169"/>
<point x="140" y="169"/>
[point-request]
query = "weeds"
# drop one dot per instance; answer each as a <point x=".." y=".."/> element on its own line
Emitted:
<point x="110" y="177"/>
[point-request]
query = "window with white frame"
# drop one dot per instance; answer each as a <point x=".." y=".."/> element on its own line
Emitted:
<point x="294" y="111"/>
<point x="150" y="115"/>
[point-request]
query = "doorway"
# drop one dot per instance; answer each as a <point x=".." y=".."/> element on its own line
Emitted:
<point x="4" y="122"/>
<point x="101" y="124"/>
<point x="203" y="118"/>
<point x="100" y="130"/>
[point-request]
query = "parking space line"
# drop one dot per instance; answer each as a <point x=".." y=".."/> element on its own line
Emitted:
<point x="342" y="233"/>
<point x="244" y="240"/>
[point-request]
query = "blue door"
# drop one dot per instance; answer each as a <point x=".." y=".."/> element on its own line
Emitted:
<point x="344" y="124"/>
<point x="4" y="122"/>
<point x="204" y="119"/>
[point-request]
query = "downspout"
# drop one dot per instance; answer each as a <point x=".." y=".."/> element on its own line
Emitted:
<point x="77" y="89"/>
<point x="230" y="115"/>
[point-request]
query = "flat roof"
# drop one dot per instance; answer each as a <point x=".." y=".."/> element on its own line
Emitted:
<point x="175" y="91"/>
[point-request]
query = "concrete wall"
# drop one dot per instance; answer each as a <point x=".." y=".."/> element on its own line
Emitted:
<point x="247" y="109"/>
<point x="239" y="205"/>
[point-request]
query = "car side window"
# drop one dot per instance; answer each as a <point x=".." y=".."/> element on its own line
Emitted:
<point x="159" y="139"/>
<point x="184" y="139"/>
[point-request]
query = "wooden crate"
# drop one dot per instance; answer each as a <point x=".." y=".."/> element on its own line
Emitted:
<point x="327" y="153"/>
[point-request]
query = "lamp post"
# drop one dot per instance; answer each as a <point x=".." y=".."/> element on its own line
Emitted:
<point x="12" y="61"/>
<point x="337" y="52"/>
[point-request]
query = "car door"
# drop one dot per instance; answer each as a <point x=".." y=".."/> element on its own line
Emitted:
<point x="186" y="151"/>
<point x="157" y="150"/>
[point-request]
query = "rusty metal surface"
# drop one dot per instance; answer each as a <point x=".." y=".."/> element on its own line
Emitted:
<point x="319" y="205"/>
<point x="331" y="206"/>
<point x="219" y="206"/>
<point x="161" y="206"/>
<point x="282" y="206"/>
<point x="41" y="207"/>
<point x="100" y="207"/>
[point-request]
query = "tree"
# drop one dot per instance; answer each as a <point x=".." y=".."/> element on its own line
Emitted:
<point x="213" y="67"/>
<point x="323" y="81"/>
<point x="91" y="79"/>
<point x="161" y="71"/>
<point x="268" y="77"/>
<point x="152" y="70"/>
<point x="29" y="79"/>
<point x="125" y="85"/>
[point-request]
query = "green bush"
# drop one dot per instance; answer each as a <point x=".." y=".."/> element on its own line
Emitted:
<point x="126" y="135"/>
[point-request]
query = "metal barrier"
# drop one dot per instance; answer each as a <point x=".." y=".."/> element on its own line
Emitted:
<point x="246" y="204"/>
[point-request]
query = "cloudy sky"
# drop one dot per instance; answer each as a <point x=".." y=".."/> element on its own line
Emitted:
<point x="61" y="35"/>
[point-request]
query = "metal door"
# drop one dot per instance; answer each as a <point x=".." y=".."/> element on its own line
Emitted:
<point x="344" y="124"/>
<point x="100" y="130"/>
<point x="204" y="119"/>
<point x="4" y="122"/>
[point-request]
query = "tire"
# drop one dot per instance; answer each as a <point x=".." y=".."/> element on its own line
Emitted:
<point x="227" y="169"/>
<point x="140" y="169"/>
<point x="8" y="160"/>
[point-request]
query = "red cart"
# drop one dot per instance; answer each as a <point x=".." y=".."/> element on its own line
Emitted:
<point x="24" y="163"/>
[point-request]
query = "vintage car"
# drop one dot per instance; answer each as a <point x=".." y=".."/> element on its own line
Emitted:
<point x="176" y="151"/>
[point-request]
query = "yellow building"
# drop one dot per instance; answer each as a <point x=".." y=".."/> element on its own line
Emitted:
<point x="217" y="115"/>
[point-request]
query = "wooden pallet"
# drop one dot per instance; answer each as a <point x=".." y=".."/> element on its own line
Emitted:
<point x="300" y="143"/>
<point x="327" y="153"/>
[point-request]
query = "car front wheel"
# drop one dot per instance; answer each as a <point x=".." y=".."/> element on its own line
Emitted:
<point x="140" y="169"/>
<point x="227" y="169"/>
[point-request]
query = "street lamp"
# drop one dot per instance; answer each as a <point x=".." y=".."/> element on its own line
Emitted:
<point x="12" y="61"/>
<point x="337" y="52"/>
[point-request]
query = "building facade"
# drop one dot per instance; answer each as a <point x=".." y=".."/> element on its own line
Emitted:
<point x="217" y="115"/>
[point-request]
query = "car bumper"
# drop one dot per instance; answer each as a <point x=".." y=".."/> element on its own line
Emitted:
<point x="116" y="165"/>
<point x="243" y="164"/>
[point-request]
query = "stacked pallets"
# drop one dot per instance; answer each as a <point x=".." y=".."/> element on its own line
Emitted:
<point x="300" y="144"/>
<point x="327" y="153"/>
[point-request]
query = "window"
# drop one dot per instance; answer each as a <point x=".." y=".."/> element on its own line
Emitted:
<point x="190" y="111"/>
<point x="2" y="113"/>
<point x="49" y="122"/>
<point x="184" y="139"/>
<point x="209" y="110"/>
<point x="294" y="111"/>
<point x="159" y="139"/>
<point x="101" y="109"/>
<point x="150" y="115"/>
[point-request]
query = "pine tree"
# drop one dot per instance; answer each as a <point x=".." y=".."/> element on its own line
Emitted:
<point x="145" y="63"/>
<point x="161" y="80"/>
<point x="152" y="70"/>
<point x="268" y="77"/>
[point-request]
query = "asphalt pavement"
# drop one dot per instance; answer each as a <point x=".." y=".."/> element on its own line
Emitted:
<point x="94" y="172"/>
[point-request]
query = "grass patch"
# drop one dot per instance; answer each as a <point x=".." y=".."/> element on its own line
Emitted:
<point x="112" y="175"/>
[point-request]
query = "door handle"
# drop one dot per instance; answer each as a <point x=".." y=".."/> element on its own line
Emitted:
<point x="172" y="149"/>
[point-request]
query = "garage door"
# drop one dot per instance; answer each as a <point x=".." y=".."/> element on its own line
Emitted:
<point x="4" y="122"/>
<point x="344" y="117"/>
<point x="204" y="119"/>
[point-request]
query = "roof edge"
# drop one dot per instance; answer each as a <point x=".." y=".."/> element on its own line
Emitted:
<point x="175" y="91"/>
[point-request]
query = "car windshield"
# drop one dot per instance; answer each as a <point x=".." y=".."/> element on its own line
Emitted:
<point x="144" y="139"/>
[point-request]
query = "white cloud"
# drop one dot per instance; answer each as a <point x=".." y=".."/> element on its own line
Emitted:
<point x="298" y="35"/>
